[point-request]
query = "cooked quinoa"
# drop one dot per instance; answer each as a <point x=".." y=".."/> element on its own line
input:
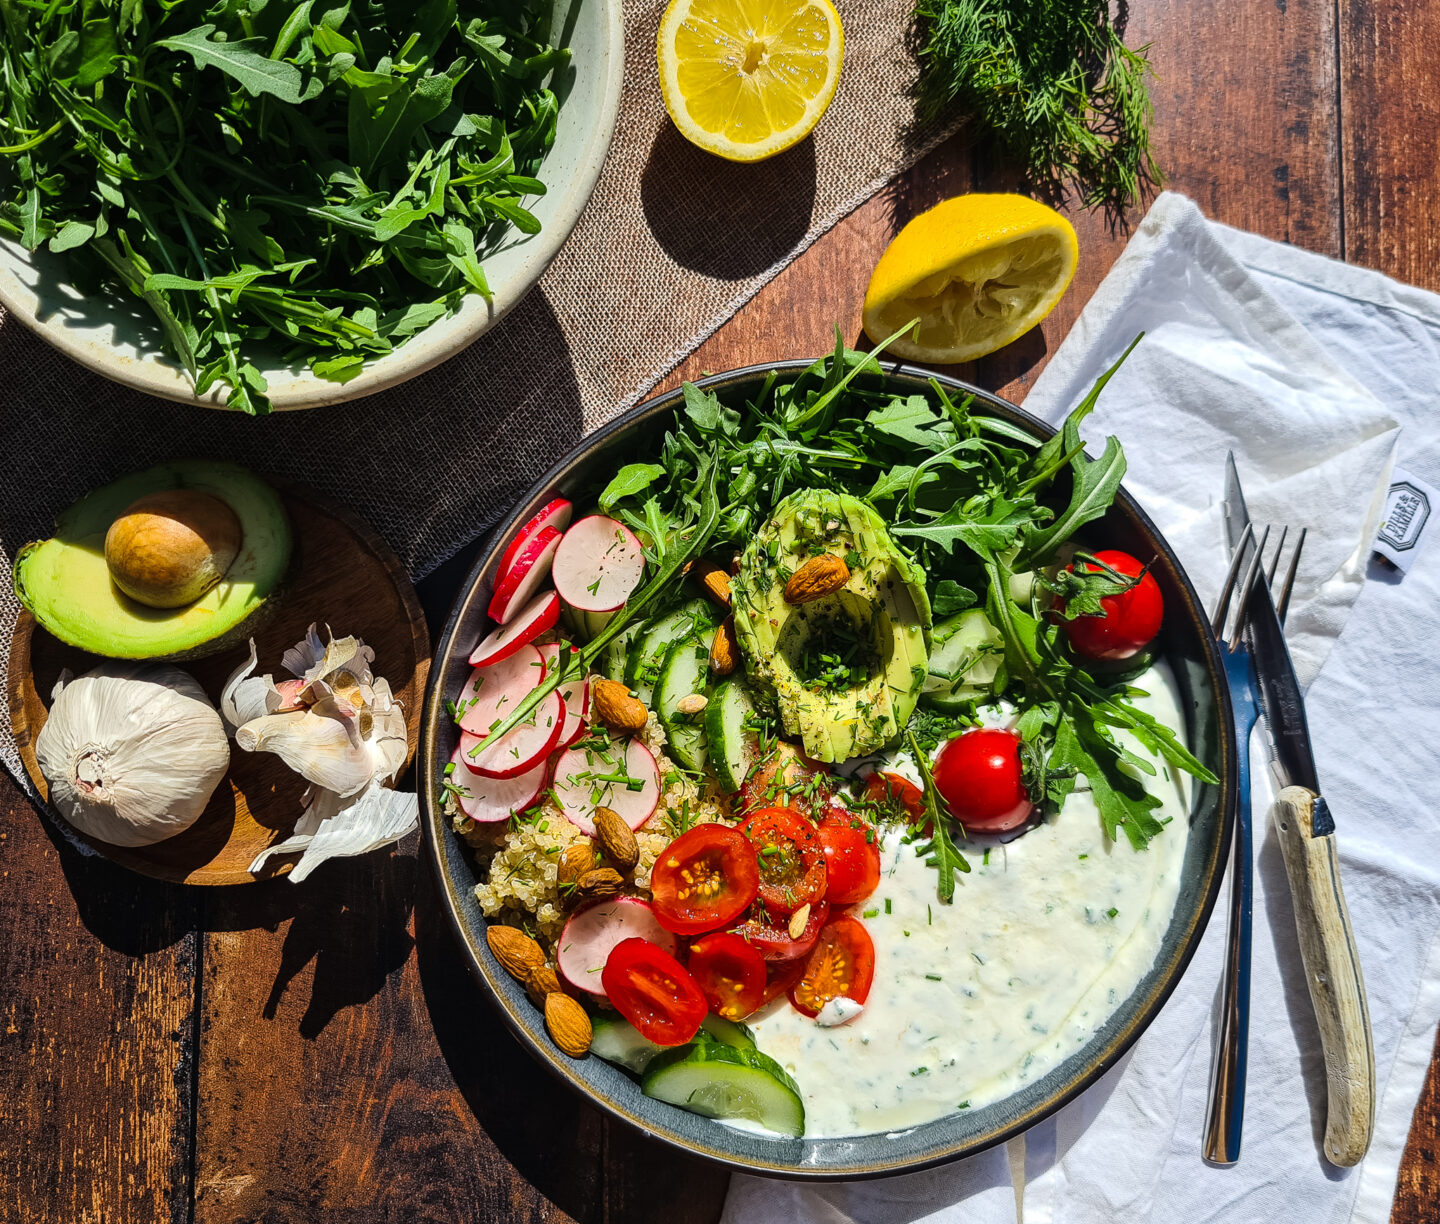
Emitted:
<point x="521" y="886"/>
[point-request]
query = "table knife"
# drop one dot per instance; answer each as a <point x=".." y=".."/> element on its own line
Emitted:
<point x="1305" y="828"/>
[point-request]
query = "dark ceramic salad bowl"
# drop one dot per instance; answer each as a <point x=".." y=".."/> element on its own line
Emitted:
<point x="1185" y="642"/>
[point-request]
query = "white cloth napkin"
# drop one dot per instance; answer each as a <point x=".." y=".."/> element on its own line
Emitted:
<point x="1303" y="367"/>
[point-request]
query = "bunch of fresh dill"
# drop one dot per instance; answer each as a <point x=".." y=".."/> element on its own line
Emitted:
<point x="1051" y="81"/>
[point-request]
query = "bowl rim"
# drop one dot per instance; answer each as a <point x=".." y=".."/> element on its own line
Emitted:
<point x="159" y="375"/>
<point x="434" y="827"/>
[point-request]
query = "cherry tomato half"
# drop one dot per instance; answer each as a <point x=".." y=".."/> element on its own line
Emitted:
<point x="653" y="991"/>
<point x="781" y="976"/>
<point x="730" y="974"/>
<point x="852" y="864"/>
<point x="980" y="776"/>
<point x="1130" y="620"/>
<point x="704" y="879"/>
<point x="897" y="792"/>
<point x="841" y="963"/>
<point x="783" y="779"/>
<point x="773" y="941"/>
<point x="790" y="857"/>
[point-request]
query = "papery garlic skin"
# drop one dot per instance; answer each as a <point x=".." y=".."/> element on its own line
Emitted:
<point x="132" y="752"/>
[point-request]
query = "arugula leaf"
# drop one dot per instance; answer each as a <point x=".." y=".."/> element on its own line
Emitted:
<point x="1096" y="483"/>
<point x="941" y="851"/>
<point x="909" y="420"/>
<point x="246" y="62"/>
<point x="950" y="597"/>
<point x="631" y="479"/>
<point x="1124" y="803"/>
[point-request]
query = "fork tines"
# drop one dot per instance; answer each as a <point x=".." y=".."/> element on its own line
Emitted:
<point x="1252" y="563"/>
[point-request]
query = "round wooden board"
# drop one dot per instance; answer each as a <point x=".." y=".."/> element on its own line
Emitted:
<point x="341" y="575"/>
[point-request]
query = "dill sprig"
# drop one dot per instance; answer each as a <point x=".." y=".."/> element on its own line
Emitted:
<point x="1052" y="82"/>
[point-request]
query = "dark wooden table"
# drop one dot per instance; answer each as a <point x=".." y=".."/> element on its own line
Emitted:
<point x="285" y="1054"/>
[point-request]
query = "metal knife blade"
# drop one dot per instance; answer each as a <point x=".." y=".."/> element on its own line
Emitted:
<point x="1287" y="735"/>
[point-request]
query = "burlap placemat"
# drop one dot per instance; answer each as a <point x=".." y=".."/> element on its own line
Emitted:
<point x="672" y="243"/>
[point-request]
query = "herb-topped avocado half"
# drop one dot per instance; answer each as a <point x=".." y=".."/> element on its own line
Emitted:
<point x="844" y="664"/>
<point x="174" y="562"/>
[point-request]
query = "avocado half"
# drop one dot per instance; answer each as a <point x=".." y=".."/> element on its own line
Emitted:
<point x="66" y="585"/>
<point x="883" y="608"/>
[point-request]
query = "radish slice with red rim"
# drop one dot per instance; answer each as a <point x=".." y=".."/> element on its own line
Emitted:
<point x="521" y="748"/>
<point x="554" y="514"/>
<point x="492" y="692"/>
<point x="623" y="777"/>
<point x="598" y="565"/>
<point x="592" y="933"/>
<point x="487" y="800"/>
<point x="575" y="691"/>
<point x="515" y="586"/>
<point x="524" y="627"/>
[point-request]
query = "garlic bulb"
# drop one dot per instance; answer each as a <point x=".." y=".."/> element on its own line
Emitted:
<point x="340" y="728"/>
<point x="132" y="752"/>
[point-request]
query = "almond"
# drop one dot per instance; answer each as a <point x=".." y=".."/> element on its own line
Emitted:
<point x="725" y="649"/>
<point x="568" y="1024"/>
<point x="798" y="920"/>
<point x="575" y="862"/>
<point x="617" y="708"/>
<point x="616" y="839"/>
<point x="818" y="577"/>
<point x="714" y="581"/>
<point x="691" y="703"/>
<point x="515" y="950"/>
<point x="541" y="981"/>
<point x="600" y="882"/>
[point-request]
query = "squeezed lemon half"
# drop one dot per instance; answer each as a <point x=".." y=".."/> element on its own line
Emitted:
<point x="747" y="79"/>
<point x="978" y="271"/>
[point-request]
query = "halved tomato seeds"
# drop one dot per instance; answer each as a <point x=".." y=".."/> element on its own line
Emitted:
<point x="773" y="941"/>
<point x="653" y="991"/>
<point x="841" y="963"/>
<point x="790" y="857"/>
<point x="704" y="879"/>
<point x="730" y="974"/>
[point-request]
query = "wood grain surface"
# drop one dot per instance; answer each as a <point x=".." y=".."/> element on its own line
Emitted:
<point x="287" y="1054"/>
<point x="342" y="575"/>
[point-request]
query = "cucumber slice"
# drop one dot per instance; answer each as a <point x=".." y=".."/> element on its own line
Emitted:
<point x="616" y="1040"/>
<point x="732" y="746"/>
<point x="720" y="1081"/>
<point x="966" y="658"/>
<point x="647" y="650"/>
<point x="683" y="672"/>
<point x="612" y="661"/>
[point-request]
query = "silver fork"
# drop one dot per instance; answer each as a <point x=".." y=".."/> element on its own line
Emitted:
<point x="1225" y="1112"/>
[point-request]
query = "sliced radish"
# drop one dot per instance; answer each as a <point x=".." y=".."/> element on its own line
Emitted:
<point x="579" y="788"/>
<point x="514" y="586"/>
<point x="492" y="692"/>
<point x="524" y="627"/>
<point x="590" y="935"/>
<point x="521" y="748"/>
<point x="555" y="514"/>
<point x="598" y="565"/>
<point x="490" y="799"/>
<point x="575" y="691"/>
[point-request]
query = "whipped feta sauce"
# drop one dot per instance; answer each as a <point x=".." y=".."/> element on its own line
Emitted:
<point x="1046" y="937"/>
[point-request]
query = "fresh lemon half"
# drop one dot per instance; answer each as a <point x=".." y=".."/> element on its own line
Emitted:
<point x="978" y="271"/>
<point x="747" y="79"/>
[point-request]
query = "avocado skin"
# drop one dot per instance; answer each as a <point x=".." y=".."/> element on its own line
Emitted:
<point x="64" y="584"/>
<point x="885" y="596"/>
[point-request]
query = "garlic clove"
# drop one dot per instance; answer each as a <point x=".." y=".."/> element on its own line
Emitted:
<point x="332" y="827"/>
<point x="247" y="697"/>
<point x="319" y="748"/>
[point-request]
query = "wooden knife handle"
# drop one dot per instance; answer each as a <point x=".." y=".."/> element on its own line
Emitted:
<point x="1332" y="971"/>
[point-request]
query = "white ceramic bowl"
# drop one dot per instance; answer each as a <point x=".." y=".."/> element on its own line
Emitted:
<point x="117" y="337"/>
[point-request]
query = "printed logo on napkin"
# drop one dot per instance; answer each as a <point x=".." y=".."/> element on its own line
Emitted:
<point x="1409" y="509"/>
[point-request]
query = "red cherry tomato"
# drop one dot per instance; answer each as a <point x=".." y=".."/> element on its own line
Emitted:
<point x="730" y="974"/>
<point x="784" y="779"/>
<point x="1129" y="622"/>
<point x="896" y="792"/>
<point x="790" y="857"/>
<point x="704" y="879"/>
<point x="852" y="864"/>
<point x="773" y="941"/>
<point x="780" y="976"/>
<point x="653" y="991"/>
<point x="841" y="963"/>
<point x="980" y="776"/>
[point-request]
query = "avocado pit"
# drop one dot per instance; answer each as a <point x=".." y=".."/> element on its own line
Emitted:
<point x="168" y="548"/>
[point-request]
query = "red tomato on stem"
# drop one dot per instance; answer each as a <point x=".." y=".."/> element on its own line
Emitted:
<point x="704" y="879"/>
<point x="790" y="857"/>
<point x="730" y="973"/>
<point x="653" y="991"/>
<point x="841" y="963"/>
<point x="980" y="776"/>
<point x="1129" y="621"/>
